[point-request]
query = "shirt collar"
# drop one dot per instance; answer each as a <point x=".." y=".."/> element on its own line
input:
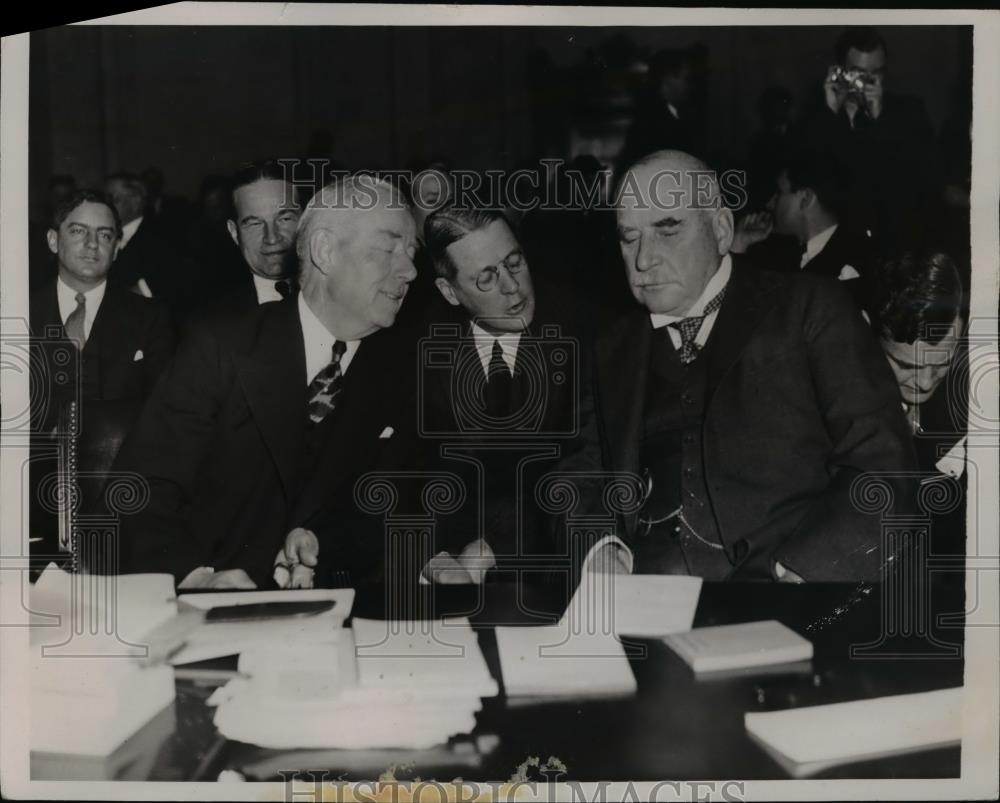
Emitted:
<point x="484" y="345"/>
<point x="319" y="342"/>
<point x="67" y="295"/>
<point x="817" y="243"/>
<point x="715" y="284"/>
<point x="266" y="289"/>
<point x="129" y="230"/>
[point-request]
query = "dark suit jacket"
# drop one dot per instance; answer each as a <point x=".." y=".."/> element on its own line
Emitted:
<point x="894" y="176"/>
<point x="126" y="326"/>
<point x="222" y="443"/>
<point x="542" y="420"/>
<point x="800" y="402"/>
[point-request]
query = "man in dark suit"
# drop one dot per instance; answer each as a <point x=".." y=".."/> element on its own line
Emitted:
<point x="920" y="320"/>
<point x="123" y="340"/>
<point x="807" y="205"/>
<point x="498" y="381"/>
<point x="263" y="422"/>
<point x="885" y="138"/>
<point x="747" y="401"/>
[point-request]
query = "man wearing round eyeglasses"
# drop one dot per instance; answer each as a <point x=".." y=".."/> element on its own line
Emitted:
<point x="496" y="380"/>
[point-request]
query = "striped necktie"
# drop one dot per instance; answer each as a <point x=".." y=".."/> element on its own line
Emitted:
<point x="326" y="385"/>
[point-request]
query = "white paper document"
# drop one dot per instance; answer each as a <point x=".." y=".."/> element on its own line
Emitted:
<point x="726" y="647"/>
<point x="808" y="740"/>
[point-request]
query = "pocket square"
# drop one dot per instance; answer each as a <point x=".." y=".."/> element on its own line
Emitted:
<point x="386" y="433"/>
<point x="138" y="356"/>
<point x="847" y="272"/>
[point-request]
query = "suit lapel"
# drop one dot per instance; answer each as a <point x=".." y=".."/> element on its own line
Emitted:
<point x="273" y="377"/>
<point x="623" y="363"/>
<point x="746" y="301"/>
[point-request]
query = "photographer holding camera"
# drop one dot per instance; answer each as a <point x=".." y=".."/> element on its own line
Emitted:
<point x="884" y="137"/>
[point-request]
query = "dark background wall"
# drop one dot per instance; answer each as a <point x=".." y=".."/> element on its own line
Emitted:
<point x="200" y="100"/>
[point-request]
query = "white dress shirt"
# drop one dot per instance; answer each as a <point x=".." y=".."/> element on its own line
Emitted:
<point x="266" y="289"/>
<point x="816" y="244"/>
<point x="129" y="230"/>
<point x="715" y="284"/>
<point x="484" y="345"/>
<point x="319" y="343"/>
<point x="66" y="296"/>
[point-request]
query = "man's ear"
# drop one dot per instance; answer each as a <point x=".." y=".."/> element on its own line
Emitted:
<point x="321" y="250"/>
<point x="52" y="237"/>
<point x="233" y="231"/>
<point x="808" y="199"/>
<point x="723" y="227"/>
<point x="116" y="249"/>
<point x="447" y="290"/>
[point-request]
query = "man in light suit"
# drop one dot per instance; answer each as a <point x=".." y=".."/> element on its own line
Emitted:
<point x="747" y="401"/>
<point x="263" y="422"/>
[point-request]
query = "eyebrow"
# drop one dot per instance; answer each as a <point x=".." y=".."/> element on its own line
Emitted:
<point x="663" y="223"/>
<point x="94" y="228"/>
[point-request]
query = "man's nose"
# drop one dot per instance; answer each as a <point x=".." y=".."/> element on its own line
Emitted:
<point x="409" y="269"/>
<point x="272" y="234"/>
<point x="508" y="284"/>
<point x="645" y="257"/>
<point x="91" y="240"/>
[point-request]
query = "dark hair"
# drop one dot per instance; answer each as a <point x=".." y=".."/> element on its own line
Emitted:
<point x="213" y="183"/>
<point x="863" y="38"/>
<point x="448" y="225"/>
<point x="135" y="184"/>
<point x="668" y="62"/>
<point x="63" y="210"/>
<point x="263" y="169"/>
<point x="917" y="298"/>
<point x="819" y="169"/>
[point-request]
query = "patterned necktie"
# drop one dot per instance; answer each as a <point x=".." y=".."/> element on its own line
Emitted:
<point x="689" y="328"/>
<point x="325" y="387"/>
<point x="284" y="287"/>
<point x="74" y="323"/>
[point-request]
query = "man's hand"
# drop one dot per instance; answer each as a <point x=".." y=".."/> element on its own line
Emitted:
<point x="833" y="92"/>
<point x="294" y="564"/>
<point x="204" y="577"/>
<point x="469" y="567"/>
<point x="609" y="558"/>
<point x="753" y="228"/>
<point x="873" y="98"/>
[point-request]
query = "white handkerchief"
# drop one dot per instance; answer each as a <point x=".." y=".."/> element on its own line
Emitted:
<point x="953" y="463"/>
<point x="847" y="272"/>
<point x="138" y="356"/>
<point x="386" y="433"/>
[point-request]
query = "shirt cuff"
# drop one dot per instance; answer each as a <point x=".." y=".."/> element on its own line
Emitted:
<point x="623" y="551"/>
<point x="196" y="578"/>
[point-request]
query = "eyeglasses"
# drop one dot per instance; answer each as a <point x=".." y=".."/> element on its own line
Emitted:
<point x="489" y="278"/>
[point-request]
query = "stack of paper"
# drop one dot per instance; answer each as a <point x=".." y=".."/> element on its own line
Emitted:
<point x="386" y="684"/>
<point x="751" y="644"/>
<point x="282" y="635"/>
<point x="89" y="690"/>
<point x="808" y="740"/>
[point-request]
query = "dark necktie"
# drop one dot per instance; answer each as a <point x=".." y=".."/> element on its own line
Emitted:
<point x="498" y="383"/>
<point x="326" y="385"/>
<point x="74" y="323"/>
<point x="689" y="328"/>
<point x="284" y="287"/>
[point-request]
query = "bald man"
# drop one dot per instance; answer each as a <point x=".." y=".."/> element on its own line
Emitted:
<point x="263" y="422"/>
<point x="746" y="401"/>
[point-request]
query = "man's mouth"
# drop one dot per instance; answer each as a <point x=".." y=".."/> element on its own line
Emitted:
<point x="397" y="296"/>
<point x="518" y="307"/>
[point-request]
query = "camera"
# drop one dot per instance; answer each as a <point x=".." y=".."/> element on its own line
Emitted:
<point x="852" y="82"/>
<point x="452" y="385"/>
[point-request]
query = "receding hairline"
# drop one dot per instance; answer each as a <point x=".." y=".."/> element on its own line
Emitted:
<point x="670" y="162"/>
